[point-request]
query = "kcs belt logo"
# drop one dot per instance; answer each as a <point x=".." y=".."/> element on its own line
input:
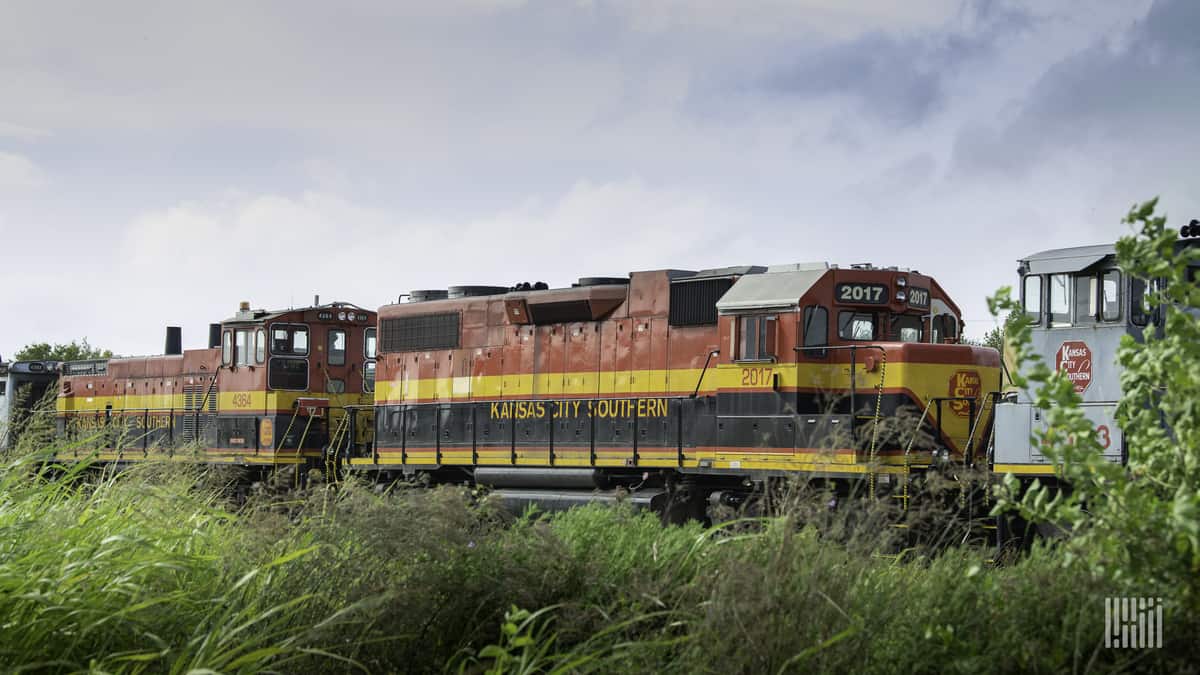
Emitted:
<point x="964" y="384"/>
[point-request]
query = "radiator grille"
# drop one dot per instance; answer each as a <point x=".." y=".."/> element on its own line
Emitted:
<point x="694" y="303"/>
<point x="417" y="333"/>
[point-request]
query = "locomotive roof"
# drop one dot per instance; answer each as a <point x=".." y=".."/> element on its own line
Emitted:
<point x="779" y="286"/>
<point x="1062" y="260"/>
<point x="256" y="315"/>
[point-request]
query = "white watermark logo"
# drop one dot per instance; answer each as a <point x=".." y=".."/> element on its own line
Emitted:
<point x="1133" y="623"/>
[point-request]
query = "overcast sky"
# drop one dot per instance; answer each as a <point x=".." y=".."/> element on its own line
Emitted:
<point x="160" y="162"/>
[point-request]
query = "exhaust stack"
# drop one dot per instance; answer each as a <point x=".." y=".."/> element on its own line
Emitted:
<point x="174" y="346"/>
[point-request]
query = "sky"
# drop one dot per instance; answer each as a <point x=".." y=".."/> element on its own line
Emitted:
<point x="161" y="162"/>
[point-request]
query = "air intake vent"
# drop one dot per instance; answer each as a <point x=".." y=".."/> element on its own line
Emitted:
<point x="603" y="281"/>
<point x="694" y="303"/>
<point x="476" y="291"/>
<point x="428" y="294"/>
<point x="419" y="333"/>
<point x="560" y="312"/>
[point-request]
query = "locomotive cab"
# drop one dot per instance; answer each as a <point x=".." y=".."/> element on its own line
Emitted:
<point x="289" y="379"/>
<point x="23" y="385"/>
<point x="1080" y="305"/>
<point x="808" y="349"/>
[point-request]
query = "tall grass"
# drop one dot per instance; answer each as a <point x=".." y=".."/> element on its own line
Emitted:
<point x="155" y="570"/>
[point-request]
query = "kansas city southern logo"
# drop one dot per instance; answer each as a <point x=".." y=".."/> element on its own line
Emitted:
<point x="1075" y="359"/>
<point x="964" y="384"/>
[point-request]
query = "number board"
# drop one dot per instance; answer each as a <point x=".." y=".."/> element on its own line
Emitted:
<point x="918" y="297"/>
<point x="861" y="294"/>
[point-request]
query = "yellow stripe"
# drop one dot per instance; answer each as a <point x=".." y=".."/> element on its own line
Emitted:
<point x="933" y="376"/>
<point x="1026" y="469"/>
<point x="249" y="402"/>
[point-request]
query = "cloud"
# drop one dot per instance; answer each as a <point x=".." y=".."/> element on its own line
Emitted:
<point x="21" y="133"/>
<point x="18" y="173"/>
<point x="201" y="157"/>
<point x="193" y="262"/>
<point x="1140" y="89"/>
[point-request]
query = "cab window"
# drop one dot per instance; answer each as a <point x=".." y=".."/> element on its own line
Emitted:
<point x="1086" y="292"/>
<point x="284" y="373"/>
<point x="757" y="338"/>
<point x="1031" y="297"/>
<point x="1060" y="300"/>
<point x="369" y="376"/>
<point x="945" y="328"/>
<point x="369" y="346"/>
<point x="289" y="340"/>
<point x="337" y="348"/>
<point x="856" y="326"/>
<point x="227" y="348"/>
<point x="260" y="346"/>
<point x="816" y="331"/>
<point x="243" y="355"/>
<point x="1138" y="313"/>
<point x="1110" y="296"/>
<point x="908" y="328"/>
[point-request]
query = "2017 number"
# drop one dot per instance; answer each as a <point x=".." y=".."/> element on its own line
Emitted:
<point x="861" y="293"/>
<point x="918" y="297"/>
<point x="755" y="377"/>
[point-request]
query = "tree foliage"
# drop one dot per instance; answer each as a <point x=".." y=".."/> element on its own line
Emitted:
<point x="71" y="351"/>
<point x="1136" y="525"/>
<point x="995" y="337"/>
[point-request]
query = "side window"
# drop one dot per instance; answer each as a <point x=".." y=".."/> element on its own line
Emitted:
<point x="260" y="346"/>
<point x="945" y="328"/>
<point x="244" y="348"/>
<point x="1086" y="293"/>
<point x="856" y="326"/>
<point x="757" y="338"/>
<point x="816" y="331"/>
<point x="369" y="345"/>
<point x="337" y="348"/>
<point x="227" y="348"/>
<point x="1110" y="296"/>
<point x="1031" y="297"/>
<point x="1137" y="302"/>
<point x="949" y="327"/>
<point x="1060" y="300"/>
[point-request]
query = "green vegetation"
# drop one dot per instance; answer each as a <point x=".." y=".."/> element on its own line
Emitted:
<point x="160" y="569"/>
<point x="71" y="351"/>
<point x="152" y="570"/>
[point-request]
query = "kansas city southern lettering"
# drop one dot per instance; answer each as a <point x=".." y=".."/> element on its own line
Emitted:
<point x="93" y="423"/>
<point x="620" y="407"/>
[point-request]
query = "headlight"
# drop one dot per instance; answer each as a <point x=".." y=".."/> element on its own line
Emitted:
<point x="901" y="296"/>
<point x="901" y="282"/>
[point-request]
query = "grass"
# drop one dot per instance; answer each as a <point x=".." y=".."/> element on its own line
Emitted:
<point x="156" y="570"/>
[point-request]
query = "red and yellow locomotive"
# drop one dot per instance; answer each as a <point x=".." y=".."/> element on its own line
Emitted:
<point x="273" y="388"/>
<point x="710" y="377"/>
